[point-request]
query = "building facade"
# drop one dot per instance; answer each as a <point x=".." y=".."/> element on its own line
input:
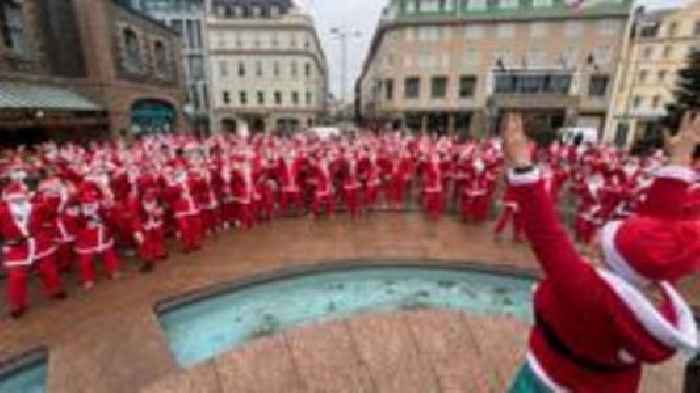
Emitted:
<point x="456" y="65"/>
<point x="187" y="17"/>
<point x="267" y="67"/>
<point x="74" y="69"/>
<point x="660" y="46"/>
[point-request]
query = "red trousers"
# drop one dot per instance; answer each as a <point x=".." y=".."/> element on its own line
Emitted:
<point x="17" y="277"/>
<point x="510" y="213"/>
<point x="109" y="258"/>
<point x="352" y="199"/>
<point x="290" y="200"/>
<point x="191" y="232"/>
<point x="475" y="207"/>
<point x="370" y="195"/>
<point x="228" y="212"/>
<point x="65" y="255"/>
<point x="433" y="204"/>
<point x="245" y="214"/>
<point x="210" y="218"/>
<point x="320" y="202"/>
<point x="395" y="192"/>
<point x="153" y="246"/>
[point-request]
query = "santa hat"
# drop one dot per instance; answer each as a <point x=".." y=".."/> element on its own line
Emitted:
<point x="14" y="190"/>
<point x="660" y="243"/>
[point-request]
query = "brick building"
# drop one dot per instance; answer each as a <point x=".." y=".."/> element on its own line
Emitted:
<point x="80" y="69"/>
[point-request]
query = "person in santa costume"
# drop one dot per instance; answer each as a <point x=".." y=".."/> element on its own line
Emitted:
<point x="510" y="213"/>
<point x="148" y="230"/>
<point x="27" y="234"/>
<point x="95" y="236"/>
<point x="322" y="178"/>
<point x="596" y="326"/>
<point x="433" y="196"/>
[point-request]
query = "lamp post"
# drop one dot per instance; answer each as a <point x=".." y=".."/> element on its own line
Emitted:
<point x="343" y="35"/>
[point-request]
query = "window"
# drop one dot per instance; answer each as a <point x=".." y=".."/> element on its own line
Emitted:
<point x="662" y="76"/>
<point x="476" y="5"/>
<point x="198" y="43"/>
<point x="243" y="97"/>
<point x="161" y="57"/>
<point x="389" y="86"/>
<point x="196" y="67"/>
<point x="509" y="4"/>
<point x="673" y="29"/>
<point x="598" y="86"/>
<point x="638" y="101"/>
<point x="656" y="102"/>
<point x="293" y="41"/>
<point x="668" y="51"/>
<point x="295" y="98"/>
<point x="226" y="97"/>
<point x="275" y="40"/>
<point x="471" y="57"/>
<point x="307" y="70"/>
<point x="295" y="69"/>
<point x="467" y="86"/>
<point x="438" y="87"/>
<point x="648" y="52"/>
<point x="505" y="30"/>
<point x="241" y="69"/>
<point x="412" y="87"/>
<point x="309" y="98"/>
<point x="278" y="97"/>
<point x="223" y="68"/>
<point x="528" y="83"/>
<point x="643" y="74"/>
<point x="259" y="69"/>
<point x="261" y="97"/>
<point x="607" y="27"/>
<point x="276" y="69"/>
<point x="573" y="29"/>
<point x="132" y="48"/>
<point x="538" y="29"/>
<point x="178" y="26"/>
<point x="696" y="28"/>
<point x="473" y="32"/>
<point x="274" y="11"/>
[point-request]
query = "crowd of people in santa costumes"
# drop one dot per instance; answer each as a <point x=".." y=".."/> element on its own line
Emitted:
<point x="631" y="314"/>
<point x="85" y="204"/>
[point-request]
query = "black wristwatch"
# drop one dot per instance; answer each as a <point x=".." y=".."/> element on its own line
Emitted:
<point x="522" y="170"/>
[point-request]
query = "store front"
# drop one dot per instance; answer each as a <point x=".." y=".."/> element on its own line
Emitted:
<point x="152" y="117"/>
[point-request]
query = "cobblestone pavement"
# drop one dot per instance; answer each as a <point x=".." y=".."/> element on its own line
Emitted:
<point x="109" y="340"/>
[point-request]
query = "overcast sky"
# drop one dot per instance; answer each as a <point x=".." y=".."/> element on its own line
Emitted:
<point x="362" y="16"/>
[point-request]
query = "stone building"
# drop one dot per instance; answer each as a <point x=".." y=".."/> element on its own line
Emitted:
<point x="268" y="70"/>
<point x="79" y="69"/>
<point x="661" y="43"/>
<point x="187" y="18"/>
<point x="455" y="65"/>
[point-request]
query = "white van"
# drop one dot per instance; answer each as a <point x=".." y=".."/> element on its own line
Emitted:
<point x="586" y="135"/>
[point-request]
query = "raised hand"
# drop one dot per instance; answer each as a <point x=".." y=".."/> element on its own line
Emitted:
<point x="515" y="143"/>
<point x="682" y="146"/>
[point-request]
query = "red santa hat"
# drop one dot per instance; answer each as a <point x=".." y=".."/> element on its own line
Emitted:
<point x="660" y="243"/>
<point x="15" y="190"/>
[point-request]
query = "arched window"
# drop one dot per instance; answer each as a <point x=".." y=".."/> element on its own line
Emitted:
<point x="160" y="56"/>
<point x="132" y="50"/>
<point x="12" y="26"/>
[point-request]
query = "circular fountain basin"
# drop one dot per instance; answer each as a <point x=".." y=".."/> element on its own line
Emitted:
<point x="201" y="327"/>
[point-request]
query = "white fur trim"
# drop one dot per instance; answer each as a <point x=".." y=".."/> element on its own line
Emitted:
<point x="682" y="337"/>
<point x="626" y="357"/>
<point x="524" y="179"/>
<point x="542" y="375"/>
<point x="614" y="259"/>
<point x="677" y="172"/>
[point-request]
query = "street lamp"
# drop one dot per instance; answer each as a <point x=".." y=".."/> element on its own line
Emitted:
<point x="343" y="36"/>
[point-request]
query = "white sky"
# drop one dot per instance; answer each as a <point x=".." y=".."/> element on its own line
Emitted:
<point x="363" y="15"/>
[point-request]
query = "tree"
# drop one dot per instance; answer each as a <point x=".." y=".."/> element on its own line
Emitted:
<point x="687" y="94"/>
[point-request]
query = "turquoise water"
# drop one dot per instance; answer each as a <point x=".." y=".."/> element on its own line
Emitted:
<point x="31" y="379"/>
<point x="199" y="331"/>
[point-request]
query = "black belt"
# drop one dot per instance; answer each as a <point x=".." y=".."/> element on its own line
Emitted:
<point x="581" y="361"/>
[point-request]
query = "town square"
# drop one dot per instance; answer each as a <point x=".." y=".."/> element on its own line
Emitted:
<point x="213" y="196"/>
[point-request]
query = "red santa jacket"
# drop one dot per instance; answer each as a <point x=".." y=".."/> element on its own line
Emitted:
<point x="593" y="329"/>
<point x="27" y="233"/>
<point x="95" y="223"/>
<point x="288" y="174"/>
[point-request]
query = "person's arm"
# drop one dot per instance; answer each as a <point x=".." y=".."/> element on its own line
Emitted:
<point x="550" y="242"/>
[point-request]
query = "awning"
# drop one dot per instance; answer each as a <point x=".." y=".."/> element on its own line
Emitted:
<point x="43" y="97"/>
